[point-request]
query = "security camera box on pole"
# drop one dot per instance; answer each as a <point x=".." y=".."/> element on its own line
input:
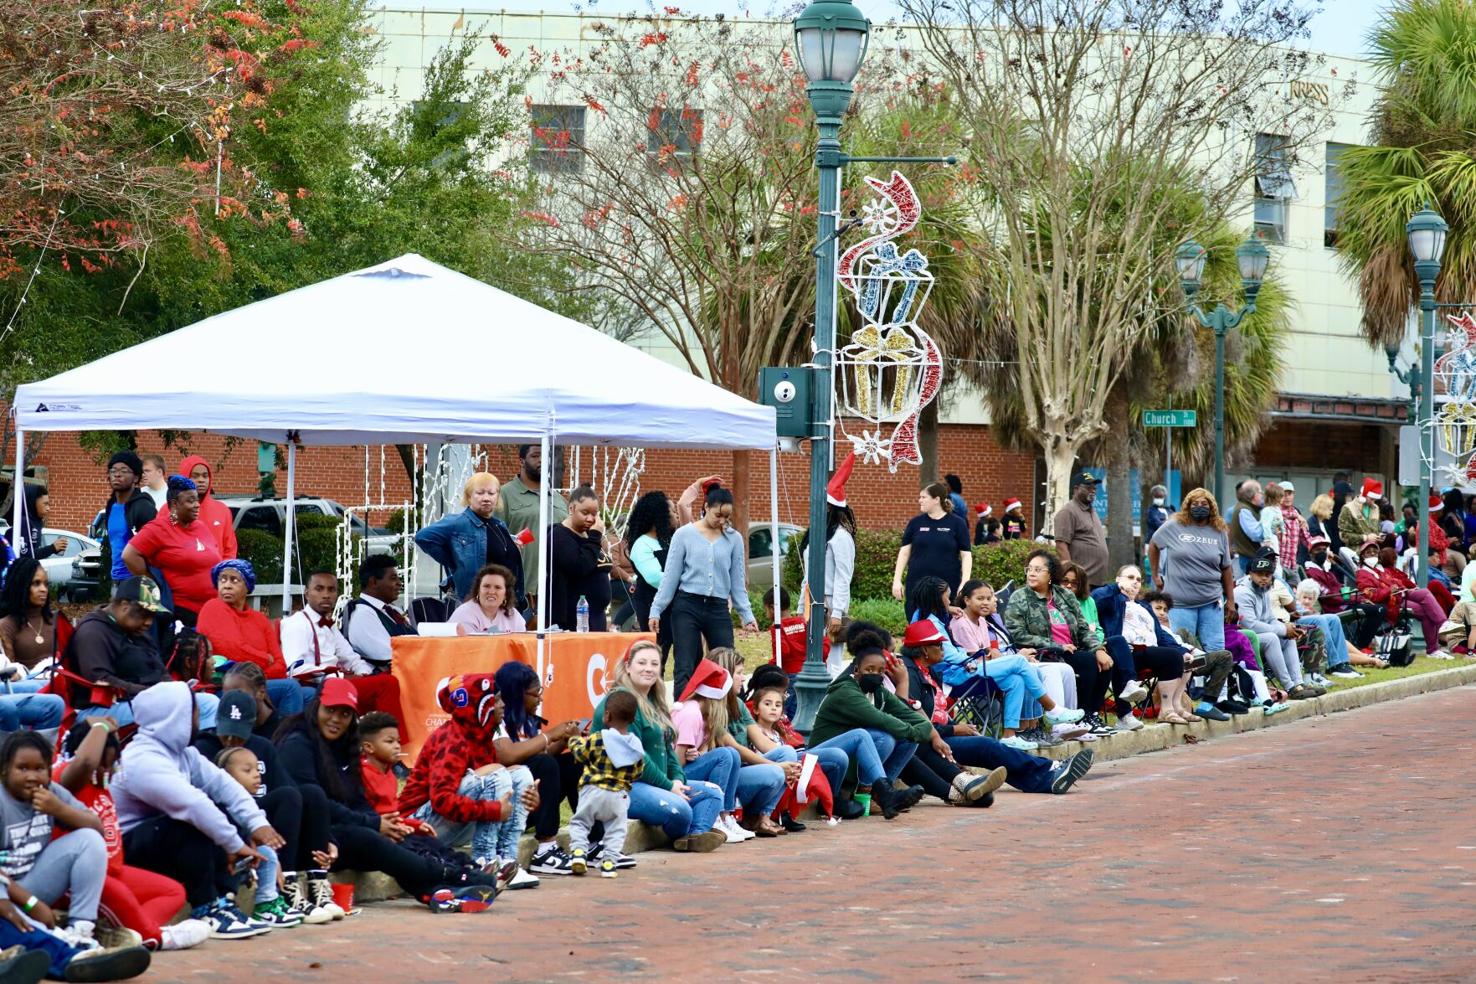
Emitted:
<point x="790" y="393"/>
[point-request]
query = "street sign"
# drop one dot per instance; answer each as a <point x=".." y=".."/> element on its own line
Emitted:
<point x="1170" y="418"/>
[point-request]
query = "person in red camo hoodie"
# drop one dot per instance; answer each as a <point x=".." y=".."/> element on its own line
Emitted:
<point x="459" y="787"/>
<point x="215" y="514"/>
<point x="243" y="635"/>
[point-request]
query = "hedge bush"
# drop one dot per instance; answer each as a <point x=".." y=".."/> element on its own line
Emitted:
<point x="265" y="553"/>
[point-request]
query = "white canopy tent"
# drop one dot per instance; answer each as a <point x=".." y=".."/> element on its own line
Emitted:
<point x="405" y="352"/>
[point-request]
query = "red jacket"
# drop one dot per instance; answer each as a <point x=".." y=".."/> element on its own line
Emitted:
<point x="791" y="634"/>
<point x="1438" y="540"/>
<point x="1330" y="589"/>
<point x="461" y="745"/>
<point x="1380" y="585"/>
<point x="214" y="514"/>
<point x="245" y="636"/>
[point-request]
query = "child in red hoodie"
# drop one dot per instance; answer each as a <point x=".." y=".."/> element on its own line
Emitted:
<point x="460" y="789"/>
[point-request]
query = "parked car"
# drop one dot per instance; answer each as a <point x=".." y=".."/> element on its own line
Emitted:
<point x="269" y="515"/>
<point x="75" y="573"/>
<point x="760" y="558"/>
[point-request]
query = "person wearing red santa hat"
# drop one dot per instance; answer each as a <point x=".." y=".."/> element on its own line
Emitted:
<point x="986" y="527"/>
<point x="709" y="753"/>
<point x="840" y="549"/>
<point x="1358" y="523"/>
<point x="1014" y="520"/>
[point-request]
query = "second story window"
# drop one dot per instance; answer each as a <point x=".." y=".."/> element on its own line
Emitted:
<point x="674" y="135"/>
<point x="556" y="139"/>
<point x="1274" y="187"/>
<point x="1333" y="197"/>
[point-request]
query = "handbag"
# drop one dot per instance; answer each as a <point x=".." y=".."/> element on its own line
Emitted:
<point x="1391" y="643"/>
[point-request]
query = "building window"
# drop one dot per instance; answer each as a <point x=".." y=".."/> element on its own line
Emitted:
<point x="1333" y="193"/>
<point x="1274" y="187"/>
<point x="556" y="139"/>
<point x="674" y="135"/>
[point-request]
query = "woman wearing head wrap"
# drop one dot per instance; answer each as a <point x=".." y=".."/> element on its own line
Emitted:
<point x="180" y="546"/>
<point x="242" y="634"/>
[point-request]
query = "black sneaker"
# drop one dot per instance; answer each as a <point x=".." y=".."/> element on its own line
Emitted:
<point x="1098" y="726"/>
<point x="551" y="861"/>
<point x="791" y="824"/>
<point x="1233" y="707"/>
<point x="21" y="966"/>
<point x="1071" y="770"/>
<point x="108" y="965"/>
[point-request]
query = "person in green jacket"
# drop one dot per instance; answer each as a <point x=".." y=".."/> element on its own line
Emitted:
<point x="859" y="699"/>
<point x="662" y="797"/>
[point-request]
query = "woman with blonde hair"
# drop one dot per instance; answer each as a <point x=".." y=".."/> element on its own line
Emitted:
<point x="662" y="797"/>
<point x="1319" y="519"/>
<point x="1190" y="557"/>
<point x="465" y="542"/>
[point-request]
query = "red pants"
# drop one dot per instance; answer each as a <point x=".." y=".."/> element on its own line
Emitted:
<point x="380" y="692"/>
<point x="141" y="901"/>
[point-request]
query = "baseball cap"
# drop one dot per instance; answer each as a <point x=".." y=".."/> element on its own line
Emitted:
<point x="236" y="715"/>
<point x="338" y="692"/>
<point x="142" y="591"/>
<point x="1262" y="564"/>
<point x="1083" y="477"/>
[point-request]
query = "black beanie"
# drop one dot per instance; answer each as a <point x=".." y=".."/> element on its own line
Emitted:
<point x="129" y="458"/>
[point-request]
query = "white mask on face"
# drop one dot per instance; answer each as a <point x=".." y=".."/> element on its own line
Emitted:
<point x="1158" y="502"/>
<point x="1371" y="560"/>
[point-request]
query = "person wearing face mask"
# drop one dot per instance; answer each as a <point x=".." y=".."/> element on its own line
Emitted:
<point x="705" y="573"/>
<point x="1359" y="521"/>
<point x="465" y="542"/>
<point x="1190" y="555"/>
<point x="1156" y="515"/>
<point x="1381" y="581"/>
<point x="578" y="564"/>
<point x="1294" y="533"/>
<point x="1243" y="524"/>
<point x="1335" y="595"/>
<point x="1278" y="638"/>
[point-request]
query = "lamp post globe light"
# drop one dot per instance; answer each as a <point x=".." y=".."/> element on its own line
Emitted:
<point x="1426" y="232"/>
<point x="1252" y="257"/>
<point x="830" y="38"/>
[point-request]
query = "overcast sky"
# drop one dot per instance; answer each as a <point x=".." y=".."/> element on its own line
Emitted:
<point x="1339" y="29"/>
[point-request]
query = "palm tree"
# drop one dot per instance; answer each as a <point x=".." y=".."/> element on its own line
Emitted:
<point x="1424" y="153"/>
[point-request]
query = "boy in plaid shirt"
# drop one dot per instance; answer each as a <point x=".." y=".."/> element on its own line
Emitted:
<point x="613" y="760"/>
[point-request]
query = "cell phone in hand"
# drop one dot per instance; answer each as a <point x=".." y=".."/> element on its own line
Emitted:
<point x="241" y="866"/>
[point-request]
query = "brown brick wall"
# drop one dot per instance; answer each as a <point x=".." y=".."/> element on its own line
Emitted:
<point x="881" y="499"/>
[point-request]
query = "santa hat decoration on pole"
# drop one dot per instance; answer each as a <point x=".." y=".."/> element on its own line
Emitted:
<point x="983" y="509"/>
<point x="1012" y="503"/>
<point x="835" y="491"/>
<point x="1372" y="488"/>
<point x="708" y="680"/>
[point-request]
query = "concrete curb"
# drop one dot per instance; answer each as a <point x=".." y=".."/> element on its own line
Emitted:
<point x="1157" y="737"/>
<point x="374" y="886"/>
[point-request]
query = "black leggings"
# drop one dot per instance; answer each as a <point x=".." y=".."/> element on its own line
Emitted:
<point x="300" y="815"/>
<point x="931" y="771"/>
<point x="558" y="781"/>
<point x="695" y="618"/>
<point x="363" y="849"/>
<point x="180" y="851"/>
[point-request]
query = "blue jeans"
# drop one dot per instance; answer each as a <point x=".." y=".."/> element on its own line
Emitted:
<point x="489" y="838"/>
<point x="1332" y="633"/>
<point x="122" y="712"/>
<point x="676" y="815"/>
<point x="833" y="761"/>
<point x="40" y="938"/>
<point x="1027" y="773"/>
<point x="760" y="787"/>
<point x="1207" y="622"/>
<point x="1014" y="675"/>
<point x="286" y="696"/>
<point x="38" y="712"/>
<point x="859" y="747"/>
<point x="894" y="754"/>
<point x="720" y="767"/>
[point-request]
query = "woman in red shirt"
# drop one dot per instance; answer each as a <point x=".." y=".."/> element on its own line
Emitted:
<point x="180" y="546"/>
<point x="244" y="635"/>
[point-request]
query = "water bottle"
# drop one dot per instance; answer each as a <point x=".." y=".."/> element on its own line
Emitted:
<point x="581" y="616"/>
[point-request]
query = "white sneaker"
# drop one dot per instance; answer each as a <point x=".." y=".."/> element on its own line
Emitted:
<point x="1133" y="692"/>
<point x="184" y="934"/>
<point x="523" y="880"/>
<point x="1129" y="723"/>
<point x="1064" y="715"/>
<point x="1440" y="654"/>
<point x="735" y="833"/>
<point x="79" y="935"/>
<point x="1347" y="673"/>
<point x="1018" y="744"/>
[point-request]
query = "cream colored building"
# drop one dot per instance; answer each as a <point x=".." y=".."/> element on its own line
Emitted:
<point x="1333" y="379"/>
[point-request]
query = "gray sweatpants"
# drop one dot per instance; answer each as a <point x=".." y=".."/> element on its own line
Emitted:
<point x="1279" y="657"/>
<point x="76" y="862"/>
<point x="604" y="805"/>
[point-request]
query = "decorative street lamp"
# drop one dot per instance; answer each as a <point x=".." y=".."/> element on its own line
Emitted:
<point x="1252" y="258"/>
<point x="830" y="37"/>
<point x="1426" y="232"/>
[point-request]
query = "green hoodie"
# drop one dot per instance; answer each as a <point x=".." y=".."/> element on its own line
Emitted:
<point x="662" y="768"/>
<point x="847" y="706"/>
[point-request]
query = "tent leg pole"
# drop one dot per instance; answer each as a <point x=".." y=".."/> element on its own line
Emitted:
<point x="776" y="592"/>
<point x="18" y="491"/>
<point x="545" y="576"/>
<point x="287" y="528"/>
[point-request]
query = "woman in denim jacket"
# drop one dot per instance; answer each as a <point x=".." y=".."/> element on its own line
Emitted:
<point x="467" y="541"/>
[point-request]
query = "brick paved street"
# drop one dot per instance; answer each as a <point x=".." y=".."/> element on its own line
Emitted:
<point x="1339" y="848"/>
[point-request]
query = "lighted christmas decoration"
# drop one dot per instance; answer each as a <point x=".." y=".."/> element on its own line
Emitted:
<point x="1455" y="394"/>
<point x="891" y="369"/>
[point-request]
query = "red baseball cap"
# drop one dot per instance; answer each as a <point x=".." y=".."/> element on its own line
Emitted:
<point x="338" y="692"/>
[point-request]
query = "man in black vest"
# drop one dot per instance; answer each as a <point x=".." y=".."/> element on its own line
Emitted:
<point x="371" y="619"/>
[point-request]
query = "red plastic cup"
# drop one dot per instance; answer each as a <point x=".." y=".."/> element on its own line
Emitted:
<point x="524" y="538"/>
<point x="343" y="895"/>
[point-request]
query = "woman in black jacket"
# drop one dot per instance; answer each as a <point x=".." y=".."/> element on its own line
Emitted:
<point x="320" y="747"/>
<point x="578" y="566"/>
